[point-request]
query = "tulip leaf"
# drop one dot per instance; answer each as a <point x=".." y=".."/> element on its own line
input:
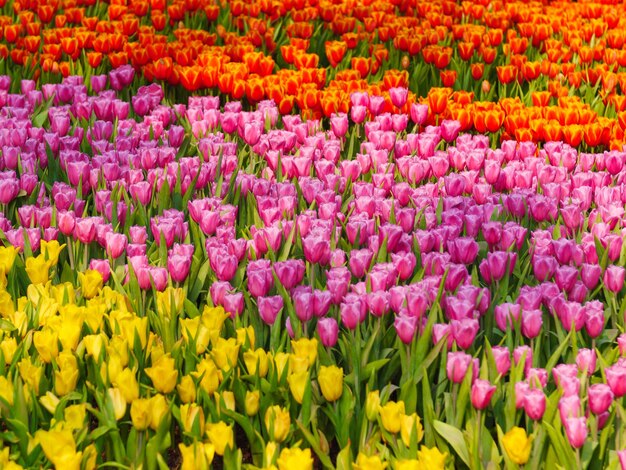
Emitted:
<point x="561" y="447"/>
<point x="558" y="352"/>
<point x="455" y="438"/>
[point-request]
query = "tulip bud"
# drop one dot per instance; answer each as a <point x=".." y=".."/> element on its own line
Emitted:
<point x="372" y="405"/>
<point x="252" y="402"/>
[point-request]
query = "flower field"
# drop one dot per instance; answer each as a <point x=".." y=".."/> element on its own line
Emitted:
<point x="310" y="234"/>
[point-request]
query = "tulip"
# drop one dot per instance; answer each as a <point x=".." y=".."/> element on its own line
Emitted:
<point x="464" y="331"/>
<point x="616" y="379"/>
<point x="391" y="416"/>
<point x="269" y="308"/>
<point x="406" y="327"/>
<point x="531" y="323"/>
<point x="328" y="331"/>
<point x="163" y="374"/>
<point x="600" y="398"/>
<point x="517" y="445"/>
<point x="330" y="380"/>
<point x="614" y="278"/>
<point x="586" y="361"/>
<point x="482" y="391"/>
<point x="295" y="458"/>
<point x="535" y="403"/>
<point x="221" y="436"/>
<point x="576" y="431"/>
<point x="140" y="413"/>
<point x="457" y="366"/>
<point x="277" y="422"/>
<point x="411" y="425"/>
<point x="502" y="357"/>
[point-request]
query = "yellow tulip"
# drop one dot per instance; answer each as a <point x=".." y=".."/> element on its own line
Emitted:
<point x="47" y="344"/>
<point x="140" y="413"/>
<point x="127" y="383"/>
<point x="277" y="423"/>
<point x="517" y="445"/>
<point x="171" y="297"/>
<point x="50" y="402"/>
<point x="7" y="309"/>
<point x="6" y="390"/>
<point x="210" y="378"/>
<point x="363" y="462"/>
<point x="90" y="283"/>
<point x="225" y="353"/>
<point x="5" y="460"/>
<point x="280" y="361"/>
<point x="37" y="268"/>
<point x="221" y="435"/>
<point x="163" y="374"/>
<point x="191" y="415"/>
<point x="256" y="362"/>
<point x="330" y="380"/>
<point x="8" y="346"/>
<point x="7" y="257"/>
<point x="193" y="329"/>
<point x="94" y="345"/>
<point x="71" y="327"/>
<point x="228" y="397"/>
<point x="412" y="464"/>
<point x="118" y="402"/>
<point x="391" y="416"/>
<point x="244" y="334"/>
<point x="298" y="364"/>
<point x="305" y="347"/>
<point x="270" y="454"/>
<point x="409" y="424"/>
<point x="59" y="447"/>
<point x="159" y="409"/>
<point x="214" y="317"/>
<point x="66" y="377"/>
<point x="187" y="389"/>
<point x="133" y="326"/>
<point x="51" y="251"/>
<point x="119" y="346"/>
<point x="297" y="385"/>
<point x="295" y="458"/>
<point x="372" y="405"/>
<point x="197" y="456"/>
<point x="252" y="402"/>
<point x="63" y="293"/>
<point x="114" y="367"/>
<point x="75" y="416"/>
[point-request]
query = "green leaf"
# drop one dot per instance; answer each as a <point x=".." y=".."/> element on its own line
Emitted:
<point x="455" y="438"/>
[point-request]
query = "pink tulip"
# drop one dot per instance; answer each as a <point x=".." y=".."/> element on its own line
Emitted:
<point x="328" y="330"/>
<point x="614" y="278"/>
<point x="576" y="431"/>
<point x="535" y="403"/>
<point x="269" y="308"/>
<point x="464" y="331"/>
<point x="457" y="366"/>
<point x="600" y="398"/>
<point x="532" y="320"/>
<point x="405" y="326"/>
<point x="616" y="379"/>
<point x="482" y="391"/>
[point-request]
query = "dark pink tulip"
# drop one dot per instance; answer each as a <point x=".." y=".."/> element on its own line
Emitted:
<point x="378" y="303"/>
<point x="218" y="290"/>
<point x="260" y="279"/>
<point x="360" y="261"/>
<point x="569" y="407"/>
<point x="417" y="302"/>
<point x="614" y="278"/>
<point x="521" y="389"/>
<point x="535" y="403"/>
<point x="507" y="315"/>
<point x="576" y="431"/>
<point x="178" y="267"/>
<point x="456" y="308"/>
<point x="571" y="313"/>
<point x="404" y="263"/>
<point x="115" y="244"/>
<point x="328" y="331"/>
<point x="398" y="96"/>
<point x="303" y="302"/>
<point x="590" y="274"/>
<point x="457" y="275"/>
<point x="419" y="113"/>
<point x="316" y="249"/>
<point x="353" y="311"/>
<point x="463" y="250"/>
<point x="482" y="391"/>
<point x="502" y="358"/>
<point x="9" y="188"/>
<point x="578" y="292"/>
<point x="464" y="331"/>
<point x="532" y="321"/>
<point x="85" y="230"/>
<point x="405" y="326"/>
<point x="457" y="366"/>
<point x="616" y="379"/>
<point x="600" y="398"/>
<point x="322" y="300"/>
<point x="290" y="272"/>
<point x="544" y="267"/>
<point x="269" y="307"/>
<point x="594" y="318"/>
<point x="586" y="361"/>
<point x="339" y="124"/>
<point x="565" y="277"/>
<point x="224" y="265"/>
<point x="233" y="304"/>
